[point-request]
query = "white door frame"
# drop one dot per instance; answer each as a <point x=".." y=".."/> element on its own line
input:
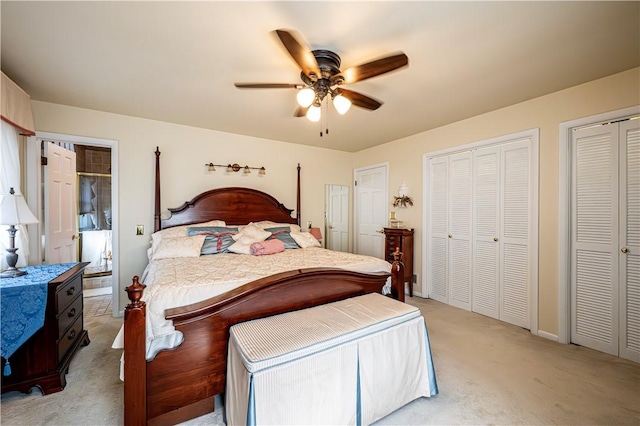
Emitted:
<point x="356" y="222"/>
<point x="564" y="212"/>
<point x="35" y="195"/>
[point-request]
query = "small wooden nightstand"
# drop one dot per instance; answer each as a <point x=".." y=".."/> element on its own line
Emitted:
<point x="403" y="239"/>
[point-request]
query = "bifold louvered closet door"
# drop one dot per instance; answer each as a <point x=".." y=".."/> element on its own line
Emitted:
<point x="605" y="252"/>
<point x="502" y="216"/>
<point x="479" y="230"/>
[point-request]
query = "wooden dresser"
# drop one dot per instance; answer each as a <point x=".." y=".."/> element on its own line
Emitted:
<point x="403" y="239"/>
<point x="43" y="360"/>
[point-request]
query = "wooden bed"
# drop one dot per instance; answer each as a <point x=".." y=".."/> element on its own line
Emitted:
<point x="181" y="383"/>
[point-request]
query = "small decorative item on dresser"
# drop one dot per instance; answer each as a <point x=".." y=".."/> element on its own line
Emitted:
<point x="402" y="201"/>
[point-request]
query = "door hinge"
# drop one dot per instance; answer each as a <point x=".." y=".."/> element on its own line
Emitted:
<point x="355" y="183"/>
<point x="43" y="161"/>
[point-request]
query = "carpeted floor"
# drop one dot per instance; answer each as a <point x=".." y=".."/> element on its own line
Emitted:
<point x="488" y="372"/>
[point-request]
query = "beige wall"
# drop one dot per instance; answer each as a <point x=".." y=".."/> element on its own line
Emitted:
<point x="405" y="158"/>
<point x="185" y="150"/>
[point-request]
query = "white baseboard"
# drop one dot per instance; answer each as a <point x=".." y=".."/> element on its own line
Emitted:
<point x="547" y="335"/>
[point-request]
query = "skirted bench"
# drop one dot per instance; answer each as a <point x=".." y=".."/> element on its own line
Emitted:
<point x="348" y="362"/>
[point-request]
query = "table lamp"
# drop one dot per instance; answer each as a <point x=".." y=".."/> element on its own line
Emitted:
<point x="14" y="211"/>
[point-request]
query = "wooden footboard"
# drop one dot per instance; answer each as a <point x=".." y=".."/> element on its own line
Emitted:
<point x="181" y="384"/>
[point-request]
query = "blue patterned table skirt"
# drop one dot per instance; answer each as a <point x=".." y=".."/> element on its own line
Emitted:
<point x="23" y="301"/>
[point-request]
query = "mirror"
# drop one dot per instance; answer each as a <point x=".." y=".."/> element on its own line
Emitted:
<point x="337" y="217"/>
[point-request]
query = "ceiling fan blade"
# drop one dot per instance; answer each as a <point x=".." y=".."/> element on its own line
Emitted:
<point x="300" y="53"/>
<point x="301" y="111"/>
<point x="372" y="69"/>
<point x="268" y="86"/>
<point x="360" y="100"/>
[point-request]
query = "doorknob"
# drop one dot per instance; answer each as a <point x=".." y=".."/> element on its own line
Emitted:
<point x="381" y="231"/>
<point x="450" y="236"/>
<point x="495" y="238"/>
<point x="624" y="249"/>
<point x="74" y="236"/>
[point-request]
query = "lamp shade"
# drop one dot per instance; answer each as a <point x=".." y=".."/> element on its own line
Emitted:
<point x="14" y="210"/>
<point x="305" y="97"/>
<point x="341" y="104"/>
<point x="313" y="113"/>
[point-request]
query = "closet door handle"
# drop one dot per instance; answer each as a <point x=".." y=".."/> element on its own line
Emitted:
<point x="495" y="238"/>
<point x="624" y="249"/>
<point x="450" y="236"/>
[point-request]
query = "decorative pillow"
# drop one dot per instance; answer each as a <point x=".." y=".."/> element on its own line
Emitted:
<point x="305" y="239"/>
<point x="283" y="234"/>
<point x="251" y="232"/>
<point x="272" y="246"/>
<point x="179" y="231"/>
<point x="178" y="247"/>
<point x="218" y="238"/>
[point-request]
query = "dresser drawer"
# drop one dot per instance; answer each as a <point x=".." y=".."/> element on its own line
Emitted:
<point x="72" y="334"/>
<point x="69" y="315"/>
<point x="68" y="292"/>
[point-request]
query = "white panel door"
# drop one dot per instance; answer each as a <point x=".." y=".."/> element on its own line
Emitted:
<point x="371" y="210"/>
<point x="629" y="253"/>
<point x="60" y="208"/>
<point x="459" y="227"/>
<point x="337" y="232"/>
<point x="514" y="239"/>
<point x="486" y="245"/>
<point x="437" y="274"/>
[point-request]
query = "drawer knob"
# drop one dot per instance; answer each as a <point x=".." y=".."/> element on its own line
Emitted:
<point x="71" y="291"/>
<point x="72" y="313"/>
<point x="72" y="335"/>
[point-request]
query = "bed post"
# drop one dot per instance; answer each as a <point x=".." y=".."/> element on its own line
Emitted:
<point x="156" y="214"/>
<point x="397" y="276"/>
<point x="298" y="200"/>
<point x="135" y="362"/>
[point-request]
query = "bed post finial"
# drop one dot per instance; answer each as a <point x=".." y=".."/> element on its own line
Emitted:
<point x="397" y="275"/>
<point x="134" y="292"/>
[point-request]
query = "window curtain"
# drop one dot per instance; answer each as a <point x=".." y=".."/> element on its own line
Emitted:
<point x="17" y="119"/>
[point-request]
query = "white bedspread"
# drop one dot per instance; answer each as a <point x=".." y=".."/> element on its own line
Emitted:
<point x="181" y="281"/>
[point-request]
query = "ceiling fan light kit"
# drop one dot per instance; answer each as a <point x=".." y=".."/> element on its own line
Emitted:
<point x="321" y="75"/>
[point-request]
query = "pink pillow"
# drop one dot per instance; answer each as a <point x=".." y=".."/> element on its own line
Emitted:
<point x="267" y="247"/>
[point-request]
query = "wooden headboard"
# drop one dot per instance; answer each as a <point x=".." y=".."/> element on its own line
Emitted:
<point x="234" y="205"/>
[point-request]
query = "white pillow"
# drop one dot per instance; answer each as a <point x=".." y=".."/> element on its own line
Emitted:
<point x="178" y="247"/>
<point x="178" y="231"/>
<point x="305" y="239"/>
<point x="270" y="224"/>
<point x="242" y="246"/>
<point x="251" y="232"/>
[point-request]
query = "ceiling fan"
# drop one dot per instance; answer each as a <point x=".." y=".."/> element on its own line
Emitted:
<point x="321" y="75"/>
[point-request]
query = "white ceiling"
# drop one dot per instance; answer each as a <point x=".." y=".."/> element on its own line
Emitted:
<point x="177" y="61"/>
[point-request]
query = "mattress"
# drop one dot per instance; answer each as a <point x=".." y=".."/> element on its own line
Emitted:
<point x="174" y="282"/>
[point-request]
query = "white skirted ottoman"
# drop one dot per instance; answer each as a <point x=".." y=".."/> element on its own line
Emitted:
<point x="348" y="362"/>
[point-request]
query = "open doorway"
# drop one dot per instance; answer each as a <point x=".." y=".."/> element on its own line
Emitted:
<point x="95" y="210"/>
<point x="93" y="170"/>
